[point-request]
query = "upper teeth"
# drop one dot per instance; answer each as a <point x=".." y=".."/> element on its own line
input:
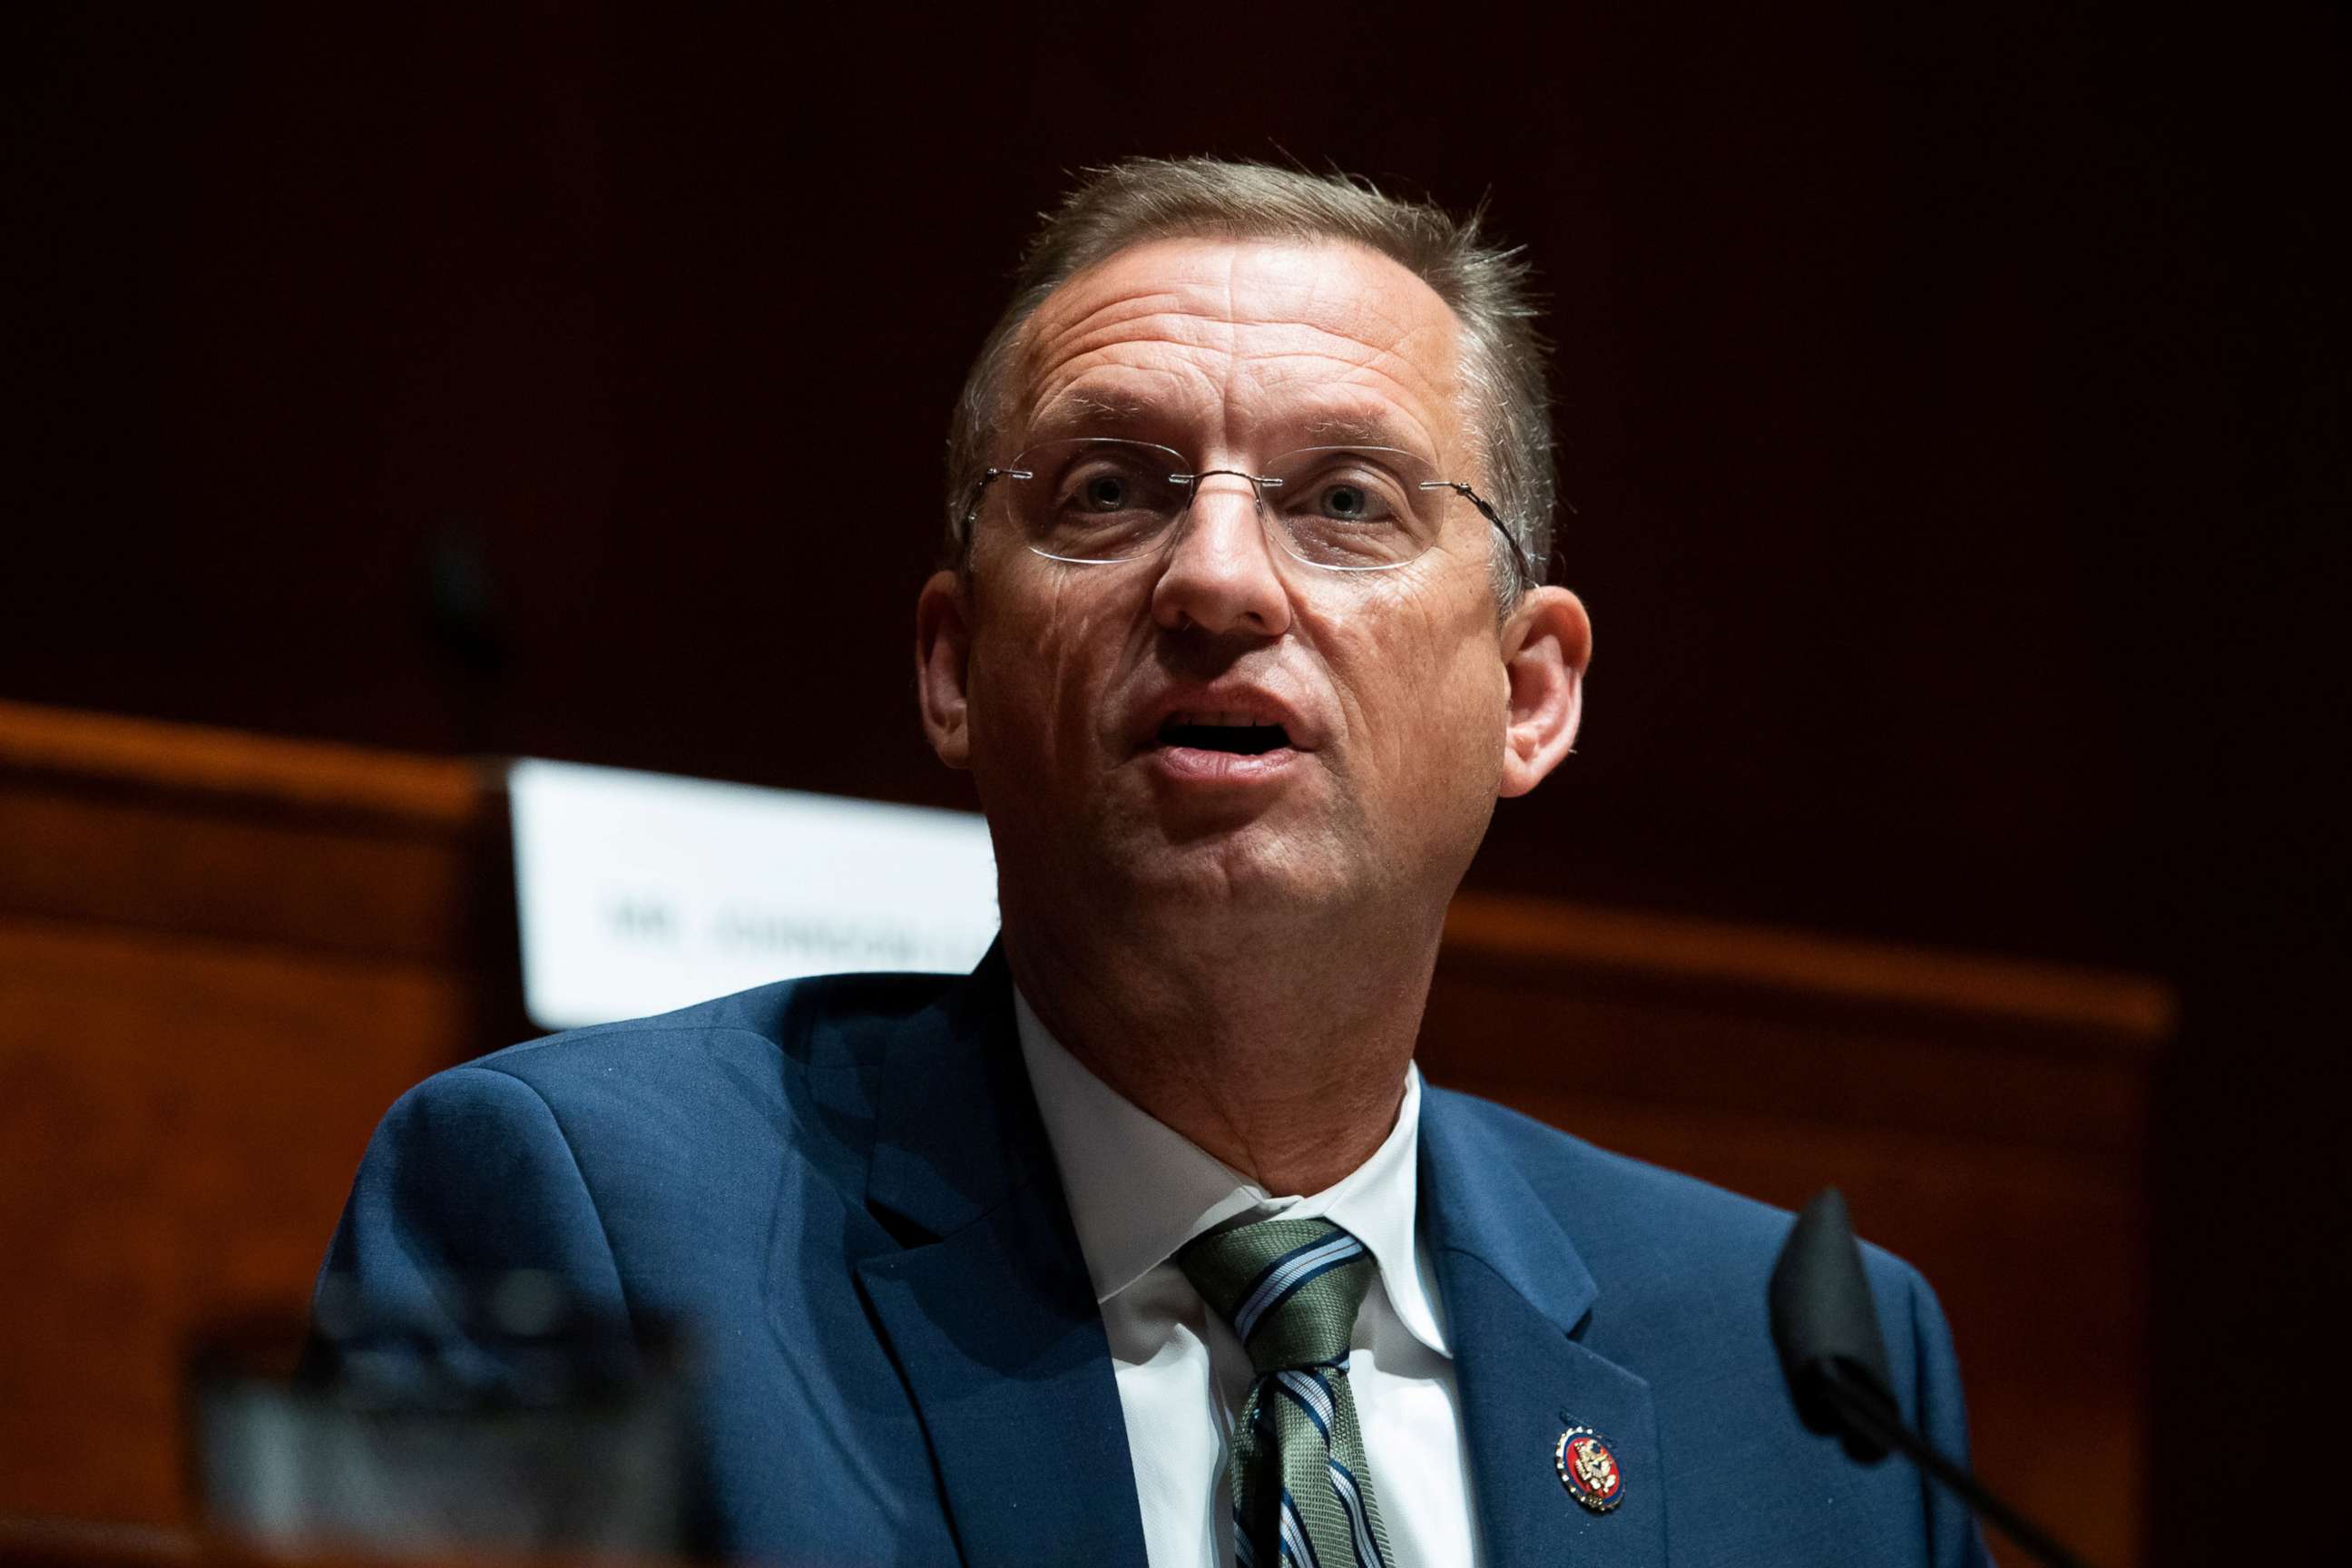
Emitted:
<point x="1220" y="721"/>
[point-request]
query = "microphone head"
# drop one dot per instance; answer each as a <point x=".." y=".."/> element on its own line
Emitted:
<point x="1826" y="1326"/>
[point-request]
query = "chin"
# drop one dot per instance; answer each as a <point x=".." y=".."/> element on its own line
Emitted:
<point x="1254" y="863"/>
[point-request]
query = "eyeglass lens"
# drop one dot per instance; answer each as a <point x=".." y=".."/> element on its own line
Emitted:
<point x="1342" y="508"/>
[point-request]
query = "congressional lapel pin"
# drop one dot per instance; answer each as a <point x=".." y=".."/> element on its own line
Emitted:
<point x="1588" y="1469"/>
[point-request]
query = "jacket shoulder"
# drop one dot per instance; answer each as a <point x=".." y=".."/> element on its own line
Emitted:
<point x="825" y="1022"/>
<point x="1666" y="1248"/>
<point x="695" y="1102"/>
<point x="823" y="1039"/>
<point x="654" y="1140"/>
<point x="1681" y="1272"/>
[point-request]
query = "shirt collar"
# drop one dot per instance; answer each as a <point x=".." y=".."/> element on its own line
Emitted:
<point x="1137" y="1189"/>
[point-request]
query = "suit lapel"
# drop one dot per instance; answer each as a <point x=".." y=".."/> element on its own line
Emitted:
<point x="989" y="1315"/>
<point x="1516" y="1296"/>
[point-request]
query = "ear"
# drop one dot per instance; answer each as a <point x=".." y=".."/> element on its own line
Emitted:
<point x="1547" y="643"/>
<point x="943" y="666"/>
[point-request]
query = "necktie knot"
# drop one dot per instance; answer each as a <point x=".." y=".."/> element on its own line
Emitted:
<point x="1289" y="1289"/>
<point x="1302" y="1489"/>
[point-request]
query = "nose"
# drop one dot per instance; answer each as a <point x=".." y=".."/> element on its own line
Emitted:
<point x="1220" y="575"/>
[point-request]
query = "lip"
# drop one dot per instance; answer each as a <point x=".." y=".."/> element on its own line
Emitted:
<point x="1254" y="704"/>
<point x="1198" y="768"/>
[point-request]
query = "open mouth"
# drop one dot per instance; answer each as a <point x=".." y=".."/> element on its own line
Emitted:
<point x="1232" y="733"/>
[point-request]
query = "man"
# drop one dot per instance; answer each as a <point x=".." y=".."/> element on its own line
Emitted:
<point x="1145" y="1243"/>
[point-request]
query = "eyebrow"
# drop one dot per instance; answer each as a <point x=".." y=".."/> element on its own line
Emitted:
<point x="1355" y="430"/>
<point x="1079" y="413"/>
<point x="1072" y="413"/>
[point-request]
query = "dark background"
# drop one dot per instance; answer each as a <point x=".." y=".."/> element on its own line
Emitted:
<point x="1954" y="405"/>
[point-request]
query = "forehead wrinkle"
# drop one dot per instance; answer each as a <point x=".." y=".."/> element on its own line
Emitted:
<point x="1358" y="362"/>
<point x="1390" y="404"/>
<point x="1270" y="336"/>
<point x="1057" y="357"/>
<point x="1044" y="340"/>
<point x="1345" y="399"/>
<point x="1126" y="393"/>
<point x="1375" y="333"/>
<point x="1394" y="318"/>
<point x="1313" y="356"/>
<point x="1312" y="326"/>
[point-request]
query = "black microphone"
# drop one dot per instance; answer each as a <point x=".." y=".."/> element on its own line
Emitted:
<point x="1826" y="1329"/>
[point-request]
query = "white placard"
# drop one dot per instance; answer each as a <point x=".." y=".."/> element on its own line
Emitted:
<point x="640" y="892"/>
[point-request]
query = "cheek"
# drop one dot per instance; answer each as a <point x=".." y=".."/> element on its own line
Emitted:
<point x="1040" y="663"/>
<point x="1466" y="717"/>
<point x="1433" y="701"/>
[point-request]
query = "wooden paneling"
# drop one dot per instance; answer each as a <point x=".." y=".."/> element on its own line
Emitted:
<point x="180" y="1119"/>
<point x="221" y="958"/>
<point x="1986" y="1120"/>
<point x="286" y="844"/>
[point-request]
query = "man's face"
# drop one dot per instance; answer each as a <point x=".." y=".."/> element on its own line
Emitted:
<point x="1078" y="694"/>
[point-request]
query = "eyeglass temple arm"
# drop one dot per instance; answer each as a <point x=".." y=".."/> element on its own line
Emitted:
<point x="979" y="488"/>
<point x="1518" y="551"/>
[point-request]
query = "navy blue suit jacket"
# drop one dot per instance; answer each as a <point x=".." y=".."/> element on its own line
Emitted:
<point x="844" y="1183"/>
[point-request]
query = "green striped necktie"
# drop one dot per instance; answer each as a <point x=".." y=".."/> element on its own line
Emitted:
<point x="1302" y="1491"/>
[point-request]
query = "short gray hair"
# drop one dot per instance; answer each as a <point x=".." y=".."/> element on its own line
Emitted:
<point x="1144" y="199"/>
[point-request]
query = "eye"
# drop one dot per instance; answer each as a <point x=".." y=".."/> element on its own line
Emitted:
<point x="1104" y="492"/>
<point x="1104" y="489"/>
<point x="1103" y="484"/>
<point x="1356" y="498"/>
<point x="1346" y="503"/>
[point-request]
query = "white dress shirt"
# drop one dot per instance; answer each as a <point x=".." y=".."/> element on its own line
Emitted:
<point x="1137" y="1191"/>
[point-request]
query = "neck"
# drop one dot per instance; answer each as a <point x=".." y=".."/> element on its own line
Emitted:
<point x="1280" y="1047"/>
